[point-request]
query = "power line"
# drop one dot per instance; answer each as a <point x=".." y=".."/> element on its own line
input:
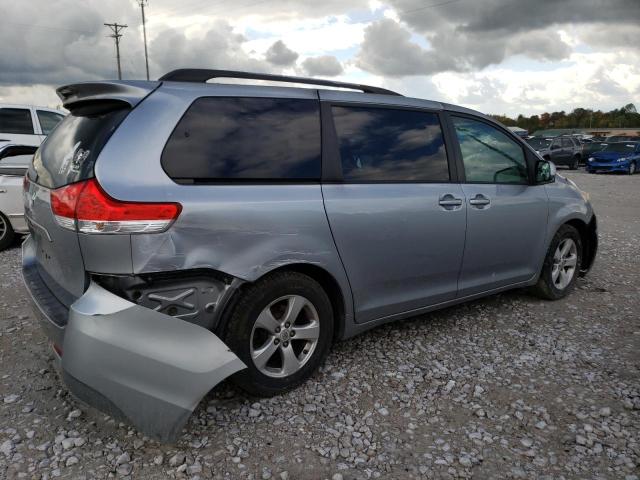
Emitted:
<point x="32" y="25"/>
<point x="191" y="6"/>
<point x="428" y="6"/>
<point x="207" y="5"/>
<point x="116" y="28"/>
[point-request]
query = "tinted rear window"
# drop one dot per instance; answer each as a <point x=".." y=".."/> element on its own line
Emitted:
<point x="68" y="155"/>
<point x="387" y="145"/>
<point x="16" y="120"/>
<point x="245" y="139"/>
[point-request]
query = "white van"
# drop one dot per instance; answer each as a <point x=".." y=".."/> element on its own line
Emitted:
<point x="27" y="124"/>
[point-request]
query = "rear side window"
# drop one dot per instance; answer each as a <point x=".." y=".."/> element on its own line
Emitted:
<point x="48" y="120"/>
<point x="245" y="139"/>
<point x="16" y="120"/>
<point x="68" y="155"/>
<point x="390" y="145"/>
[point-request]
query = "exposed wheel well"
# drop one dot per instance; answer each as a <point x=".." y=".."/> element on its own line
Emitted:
<point x="589" y="238"/>
<point x="320" y="275"/>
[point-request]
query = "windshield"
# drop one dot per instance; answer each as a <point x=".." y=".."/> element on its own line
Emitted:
<point x="620" y="147"/>
<point x="539" y="143"/>
<point x="595" y="146"/>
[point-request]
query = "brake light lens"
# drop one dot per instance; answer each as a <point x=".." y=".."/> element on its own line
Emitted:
<point x="87" y="208"/>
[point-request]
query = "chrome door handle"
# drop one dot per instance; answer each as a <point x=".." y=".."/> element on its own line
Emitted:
<point x="479" y="201"/>
<point x="449" y="202"/>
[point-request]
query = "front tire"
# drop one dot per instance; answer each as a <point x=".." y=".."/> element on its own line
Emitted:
<point x="281" y="328"/>
<point x="632" y="168"/>
<point x="6" y="232"/>
<point x="561" y="265"/>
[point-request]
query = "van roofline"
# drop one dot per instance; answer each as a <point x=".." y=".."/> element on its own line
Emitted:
<point x="201" y="75"/>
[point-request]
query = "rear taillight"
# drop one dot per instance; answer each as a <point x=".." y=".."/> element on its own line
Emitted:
<point x="87" y="208"/>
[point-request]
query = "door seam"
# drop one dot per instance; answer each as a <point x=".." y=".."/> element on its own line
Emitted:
<point x="344" y="268"/>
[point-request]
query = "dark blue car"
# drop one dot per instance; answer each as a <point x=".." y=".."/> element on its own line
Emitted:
<point x="616" y="157"/>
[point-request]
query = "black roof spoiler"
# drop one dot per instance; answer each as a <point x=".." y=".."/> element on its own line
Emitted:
<point x="81" y="94"/>
<point x="200" y="75"/>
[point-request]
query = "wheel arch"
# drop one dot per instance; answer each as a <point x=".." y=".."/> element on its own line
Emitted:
<point x="589" y="238"/>
<point x="327" y="281"/>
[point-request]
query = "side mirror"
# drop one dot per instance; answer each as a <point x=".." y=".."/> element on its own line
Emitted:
<point x="545" y="172"/>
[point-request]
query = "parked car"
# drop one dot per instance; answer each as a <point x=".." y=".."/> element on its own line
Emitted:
<point x="27" y="124"/>
<point x="588" y="149"/>
<point x="616" y="157"/>
<point x="14" y="161"/>
<point x="183" y="232"/>
<point x="622" y="138"/>
<point x="539" y="143"/>
<point x="563" y="150"/>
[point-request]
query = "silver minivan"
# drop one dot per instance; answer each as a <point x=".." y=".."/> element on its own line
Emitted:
<point x="183" y="231"/>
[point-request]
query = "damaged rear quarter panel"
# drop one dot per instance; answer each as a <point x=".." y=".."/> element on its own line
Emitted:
<point x="244" y="231"/>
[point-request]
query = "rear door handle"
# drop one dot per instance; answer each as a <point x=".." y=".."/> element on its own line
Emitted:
<point x="479" y="201"/>
<point x="449" y="202"/>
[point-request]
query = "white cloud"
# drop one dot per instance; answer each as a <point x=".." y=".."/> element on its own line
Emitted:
<point x="600" y="80"/>
<point x="322" y="66"/>
<point x="309" y="37"/>
<point x="41" y="95"/>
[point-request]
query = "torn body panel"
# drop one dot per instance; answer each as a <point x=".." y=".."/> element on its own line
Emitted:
<point x="196" y="296"/>
<point x="130" y="361"/>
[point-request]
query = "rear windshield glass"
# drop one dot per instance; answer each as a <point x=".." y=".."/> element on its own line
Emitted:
<point x="620" y="147"/>
<point x="245" y="139"/>
<point x="69" y="153"/>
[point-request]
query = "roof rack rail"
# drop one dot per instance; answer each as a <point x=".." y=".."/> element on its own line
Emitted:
<point x="201" y="75"/>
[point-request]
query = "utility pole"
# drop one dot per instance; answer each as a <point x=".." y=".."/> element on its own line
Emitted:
<point x="144" y="33"/>
<point x="116" y="28"/>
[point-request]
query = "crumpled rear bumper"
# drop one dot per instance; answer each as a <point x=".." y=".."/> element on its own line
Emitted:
<point x="132" y="362"/>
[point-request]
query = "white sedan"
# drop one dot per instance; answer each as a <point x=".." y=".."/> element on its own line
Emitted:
<point x="14" y="162"/>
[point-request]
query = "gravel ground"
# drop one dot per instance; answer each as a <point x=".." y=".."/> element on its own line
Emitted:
<point x="505" y="387"/>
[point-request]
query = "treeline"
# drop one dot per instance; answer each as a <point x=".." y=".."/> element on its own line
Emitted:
<point x="625" y="117"/>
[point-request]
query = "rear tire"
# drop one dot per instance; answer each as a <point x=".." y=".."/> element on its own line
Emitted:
<point x="280" y="348"/>
<point x="6" y="232"/>
<point x="561" y="265"/>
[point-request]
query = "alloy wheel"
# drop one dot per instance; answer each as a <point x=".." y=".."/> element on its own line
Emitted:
<point x="284" y="336"/>
<point x="3" y="228"/>
<point x="565" y="262"/>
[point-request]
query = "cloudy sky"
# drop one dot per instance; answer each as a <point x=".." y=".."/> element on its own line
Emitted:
<point x="497" y="56"/>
